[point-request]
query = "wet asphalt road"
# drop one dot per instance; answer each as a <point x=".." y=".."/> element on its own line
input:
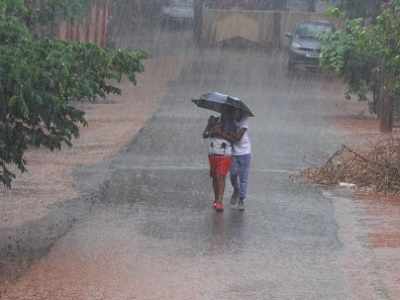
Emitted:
<point x="156" y="237"/>
<point x="284" y="246"/>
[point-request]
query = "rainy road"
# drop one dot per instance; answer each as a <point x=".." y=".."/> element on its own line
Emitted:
<point x="156" y="237"/>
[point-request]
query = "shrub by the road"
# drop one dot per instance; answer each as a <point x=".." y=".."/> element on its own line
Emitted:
<point x="41" y="78"/>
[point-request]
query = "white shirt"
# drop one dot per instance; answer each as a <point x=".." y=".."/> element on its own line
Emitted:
<point x="219" y="146"/>
<point x="243" y="146"/>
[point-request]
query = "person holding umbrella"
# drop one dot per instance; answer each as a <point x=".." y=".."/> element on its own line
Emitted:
<point x="241" y="155"/>
<point x="218" y="131"/>
<point x="227" y="134"/>
<point x="241" y="158"/>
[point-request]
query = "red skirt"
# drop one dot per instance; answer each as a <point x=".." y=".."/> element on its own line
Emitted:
<point x="219" y="164"/>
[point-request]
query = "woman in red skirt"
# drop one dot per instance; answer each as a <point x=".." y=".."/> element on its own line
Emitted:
<point x="219" y="154"/>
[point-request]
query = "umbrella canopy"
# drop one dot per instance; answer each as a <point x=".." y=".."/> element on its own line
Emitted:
<point x="218" y="102"/>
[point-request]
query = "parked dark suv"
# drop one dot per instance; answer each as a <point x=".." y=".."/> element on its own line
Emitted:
<point x="305" y="45"/>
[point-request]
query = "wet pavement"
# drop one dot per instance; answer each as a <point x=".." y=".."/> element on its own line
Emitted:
<point x="155" y="236"/>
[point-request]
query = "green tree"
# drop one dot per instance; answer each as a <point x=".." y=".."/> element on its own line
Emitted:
<point x="367" y="56"/>
<point x="42" y="78"/>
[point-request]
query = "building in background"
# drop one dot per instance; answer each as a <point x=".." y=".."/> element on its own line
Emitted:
<point x="295" y="5"/>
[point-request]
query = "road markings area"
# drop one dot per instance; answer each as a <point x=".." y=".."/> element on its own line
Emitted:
<point x="202" y="168"/>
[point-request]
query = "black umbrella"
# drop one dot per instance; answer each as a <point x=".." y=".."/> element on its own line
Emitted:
<point x="217" y="102"/>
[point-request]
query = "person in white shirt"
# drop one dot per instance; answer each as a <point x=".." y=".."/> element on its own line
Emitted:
<point x="241" y="159"/>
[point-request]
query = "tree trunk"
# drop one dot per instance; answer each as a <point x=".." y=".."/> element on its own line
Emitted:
<point x="374" y="8"/>
<point x="277" y="29"/>
<point x="198" y="20"/>
<point x="385" y="102"/>
<point x="386" y="118"/>
<point x="312" y="5"/>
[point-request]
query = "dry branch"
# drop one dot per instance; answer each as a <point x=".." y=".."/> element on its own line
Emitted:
<point x="377" y="167"/>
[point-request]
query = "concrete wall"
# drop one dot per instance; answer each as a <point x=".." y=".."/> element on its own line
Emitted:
<point x="266" y="28"/>
<point x="221" y="25"/>
<point x="92" y="29"/>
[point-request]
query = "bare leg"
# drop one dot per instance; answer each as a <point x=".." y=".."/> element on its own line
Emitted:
<point x="215" y="187"/>
<point x="221" y="188"/>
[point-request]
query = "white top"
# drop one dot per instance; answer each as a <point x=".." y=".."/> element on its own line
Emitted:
<point x="219" y="146"/>
<point x="242" y="147"/>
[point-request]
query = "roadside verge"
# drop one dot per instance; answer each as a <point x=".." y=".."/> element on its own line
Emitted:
<point x="46" y="201"/>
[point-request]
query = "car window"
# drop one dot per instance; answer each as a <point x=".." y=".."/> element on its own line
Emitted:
<point x="313" y="31"/>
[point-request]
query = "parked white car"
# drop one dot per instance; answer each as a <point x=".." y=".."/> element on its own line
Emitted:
<point x="178" y="11"/>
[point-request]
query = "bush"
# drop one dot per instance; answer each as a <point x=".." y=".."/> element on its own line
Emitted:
<point x="40" y="79"/>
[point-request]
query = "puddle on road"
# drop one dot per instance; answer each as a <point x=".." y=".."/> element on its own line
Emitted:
<point x="120" y="253"/>
<point x="169" y="248"/>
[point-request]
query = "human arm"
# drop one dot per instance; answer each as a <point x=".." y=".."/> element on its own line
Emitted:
<point x="206" y="132"/>
<point x="232" y="137"/>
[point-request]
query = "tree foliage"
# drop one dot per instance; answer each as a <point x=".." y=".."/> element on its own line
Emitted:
<point x="363" y="52"/>
<point x="41" y="79"/>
